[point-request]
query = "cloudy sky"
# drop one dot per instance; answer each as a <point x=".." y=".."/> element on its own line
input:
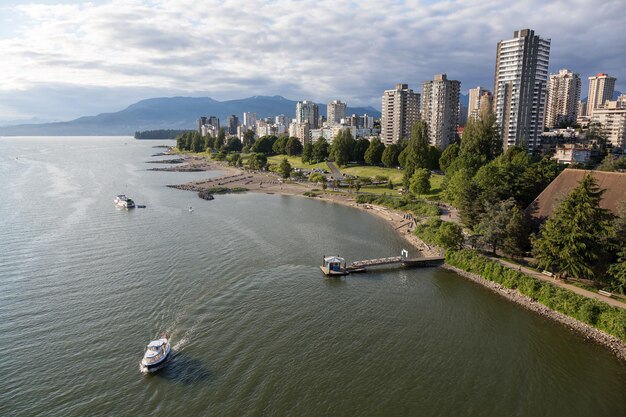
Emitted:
<point x="63" y="59"/>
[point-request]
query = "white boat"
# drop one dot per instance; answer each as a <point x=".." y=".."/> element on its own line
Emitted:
<point x="156" y="354"/>
<point x="124" y="202"/>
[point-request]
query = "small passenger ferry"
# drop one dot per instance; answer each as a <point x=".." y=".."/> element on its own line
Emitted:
<point x="124" y="202"/>
<point x="156" y="354"/>
<point x="334" y="266"/>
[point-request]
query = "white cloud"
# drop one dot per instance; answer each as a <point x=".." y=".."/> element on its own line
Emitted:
<point x="301" y="49"/>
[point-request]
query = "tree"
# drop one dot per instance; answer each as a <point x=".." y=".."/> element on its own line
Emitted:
<point x="279" y="145"/>
<point x="233" y="145"/>
<point x="493" y="223"/>
<point x="343" y="145"/>
<point x="197" y="143"/>
<point x="307" y="153"/>
<point x="284" y="169"/>
<point x="374" y="152"/>
<point x="293" y="147"/>
<point x="619" y="224"/>
<point x="317" y="177"/>
<point x="415" y="154"/>
<point x="617" y="272"/>
<point x="357" y="186"/>
<point x="448" y="156"/>
<point x="432" y="157"/>
<point x="264" y="145"/>
<point x="220" y="139"/>
<point x="320" y="150"/>
<point x="257" y="161"/>
<point x="360" y="147"/>
<point x="420" y="181"/>
<point x="516" y="234"/>
<point x="574" y="240"/>
<point x="249" y="138"/>
<point x="234" y="159"/>
<point x="449" y="236"/>
<point x="390" y="156"/>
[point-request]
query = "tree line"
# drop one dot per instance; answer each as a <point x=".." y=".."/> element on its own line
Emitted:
<point x="160" y="133"/>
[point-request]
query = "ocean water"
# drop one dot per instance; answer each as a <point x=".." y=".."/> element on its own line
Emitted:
<point x="256" y="329"/>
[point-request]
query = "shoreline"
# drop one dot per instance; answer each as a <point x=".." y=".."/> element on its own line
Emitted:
<point x="254" y="182"/>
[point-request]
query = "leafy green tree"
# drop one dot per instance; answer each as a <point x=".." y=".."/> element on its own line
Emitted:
<point x="197" y="143"/>
<point x="360" y="147"/>
<point x="516" y="237"/>
<point x="279" y="145"/>
<point x="357" y="185"/>
<point x="390" y="156"/>
<point x="284" y="169"/>
<point x="432" y="157"/>
<point x="249" y="138"/>
<point x="342" y="147"/>
<point x="181" y="143"/>
<point x="293" y="147"/>
<point x="619" y="223"/>
<point x="374" y="152"/>
<point x="307" y="153"/>
<point x="264" y="145"/>
<point x="449" y="236"/>
<point x="219" y="156"/>
<point x="233" y="159"/>
<point x="574" y="240"/>
<point x="317" y="177"/>
<point x="320" y="150"/>
<point x="448" y="156"/>
<point x="390" y="185"/>
<point x="220" y="140"/>
<point x="257" y="161"/>
<point x="612" y="163"/>
<point x="233" y="145"/>
<point x="493" y="223"/>
<point x="420" y="181"/>
<point x="416" y="153"/>
<point x="208" y="143"/>
<point x="617" y="272"/>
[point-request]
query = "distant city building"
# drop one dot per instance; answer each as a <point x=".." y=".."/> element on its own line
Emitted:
<point x="281" y="119"/>
<point x="582" y="110"/>
<point x="307" y="112"/>
<point x="478" y="96"/>
<point x="562" y="98"/>
<point x="520" y="88"/>
<point x="249" y="119"/>
<point x="601" y="88"/>
<point x="214" y="121"/>
<point x="335" y="110"/>
<point x="233" y="122"/>
<point x="572" y="153"/>
<point x="400" y="111"/>
<point x="612" y="117"/>
<point x="201" y="122"/>
<point x="300" y="131"/>
<point x="440" y="109"/>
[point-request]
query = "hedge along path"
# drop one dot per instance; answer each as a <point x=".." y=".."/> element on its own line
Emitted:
<point x="595" y="319"/>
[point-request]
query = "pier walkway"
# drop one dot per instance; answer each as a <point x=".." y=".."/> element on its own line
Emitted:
<point x="395" y="260"/>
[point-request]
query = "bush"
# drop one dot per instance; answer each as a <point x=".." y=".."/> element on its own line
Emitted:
<point x="593" y="312"/>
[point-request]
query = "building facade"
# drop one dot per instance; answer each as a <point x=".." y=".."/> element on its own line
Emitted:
<point x="440" y="109"/>
<point x="612" y="117"/>
<point x="233" y="122"/>
<point x="335" y="111"/>
<point x="307" y="112"/>
<point x="520" y="88"/>
<point x="400" y="111"/>
<point x="249" y="120"/>
<point x="479" y="98"/>
<point x="601" y="88"/>
<point x="562" y="98"/>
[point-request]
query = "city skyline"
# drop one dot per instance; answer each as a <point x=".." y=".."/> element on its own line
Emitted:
<point x="72" y="59"/>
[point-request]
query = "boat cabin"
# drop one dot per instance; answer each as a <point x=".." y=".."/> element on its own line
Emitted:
<point x="334" y="265"/>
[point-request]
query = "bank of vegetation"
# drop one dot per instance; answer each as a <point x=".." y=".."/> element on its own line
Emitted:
<point x="161" y="133"/>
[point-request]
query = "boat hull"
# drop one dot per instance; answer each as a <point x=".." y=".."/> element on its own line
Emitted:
<point x="149" y="367"/>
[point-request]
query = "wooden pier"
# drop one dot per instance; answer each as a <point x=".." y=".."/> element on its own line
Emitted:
<point x="361" y="266"/>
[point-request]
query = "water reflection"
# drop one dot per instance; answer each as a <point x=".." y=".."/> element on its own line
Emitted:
<point x="185" y="369"/>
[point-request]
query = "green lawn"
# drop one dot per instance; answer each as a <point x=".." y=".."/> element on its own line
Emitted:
<point x="296" y="162"/>
<point x="394" y="174"/>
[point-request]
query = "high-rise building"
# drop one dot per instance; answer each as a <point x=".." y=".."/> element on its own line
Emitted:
<point x="612" y="117"/>
<point x="477" y="98"/>
<point x="400" y="111"/>
<point x="335" y="111"/>
<point x="308" y="112"/>
<point x="249" y="119"/>
<point x="440" y="109"/>
<point x="563" y="96"/>
<point x="233" y="122"/>
<point x="601" y="88"/>
<point x="520" y="88"/>
<point x="201" y="122"/>
<point x="213" y="121"/>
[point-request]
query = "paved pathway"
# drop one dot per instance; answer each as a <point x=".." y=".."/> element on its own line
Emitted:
<point x="334" y="169"/>
<point x="563" y="284"/>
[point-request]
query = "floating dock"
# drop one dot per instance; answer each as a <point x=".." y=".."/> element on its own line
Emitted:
<point x="361" y="266"/>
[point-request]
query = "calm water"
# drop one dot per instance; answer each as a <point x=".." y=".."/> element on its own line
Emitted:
<point x="255" y="327"/>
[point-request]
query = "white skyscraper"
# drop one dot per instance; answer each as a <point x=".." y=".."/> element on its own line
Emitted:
<point x="601" y="88"/>
<point x="335" y="111"/>
<point x="307" y="112"/>
<point x="400" y="111"/>
<point x="476" y="97"/>
<point x="440" y="109"/>
<point x="520" y="88"/>
<point x="563" y="97"/>
<point x="249" y="119"/>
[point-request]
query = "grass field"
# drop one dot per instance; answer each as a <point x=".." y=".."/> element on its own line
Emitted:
<point x="296" y="162"/>
<point x="394" y="174"/>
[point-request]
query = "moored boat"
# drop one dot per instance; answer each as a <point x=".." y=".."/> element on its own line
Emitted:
<point x="124" y="202"/>
<point x="156" y="354"/>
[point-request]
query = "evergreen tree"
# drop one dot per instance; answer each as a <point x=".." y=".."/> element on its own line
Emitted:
<point x="360" y="147"/>
<point x="285" y="168"/>
<point x="307" y="153"/>
<point x="390" y="156"/>
<point x="342" y="147"/>
<point x="374" y="152"/>
<point x="233" y="145"/>
<point x="493" y="223"/>
<point x="617" y="272"/>
<point x="293" y="147"/>
<point x="220" y="140"/>
<point x="320" y="150"/>
<point x="516" y="237"/>
<point x="197" y="143"/>
<point x="448" y="156"/>
<point x="420" y="181"/>
<point x="415" y="155"/>
<point x="575" y="239"/>
<point x="249" y="138"/>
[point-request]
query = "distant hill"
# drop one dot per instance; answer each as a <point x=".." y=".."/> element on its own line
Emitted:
<point x="616" y="94"/>
<point x="168" y="113"/>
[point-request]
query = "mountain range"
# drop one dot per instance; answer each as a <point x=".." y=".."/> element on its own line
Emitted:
<point x="168" y="113"/>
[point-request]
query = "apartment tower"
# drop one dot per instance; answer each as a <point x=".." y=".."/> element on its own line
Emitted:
<point x="307" y="112"/>
<point x="400" y="111"/>
<point x="601" y="88"/>
<point x="440" y="109"/>
<point x="563" y="97"/>
<point x="479" y="98"/>
<point x="520" y="88"/>
<point x="335" y="111"/>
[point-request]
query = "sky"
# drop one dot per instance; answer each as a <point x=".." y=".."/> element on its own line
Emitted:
<point x="62" y="59"/>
